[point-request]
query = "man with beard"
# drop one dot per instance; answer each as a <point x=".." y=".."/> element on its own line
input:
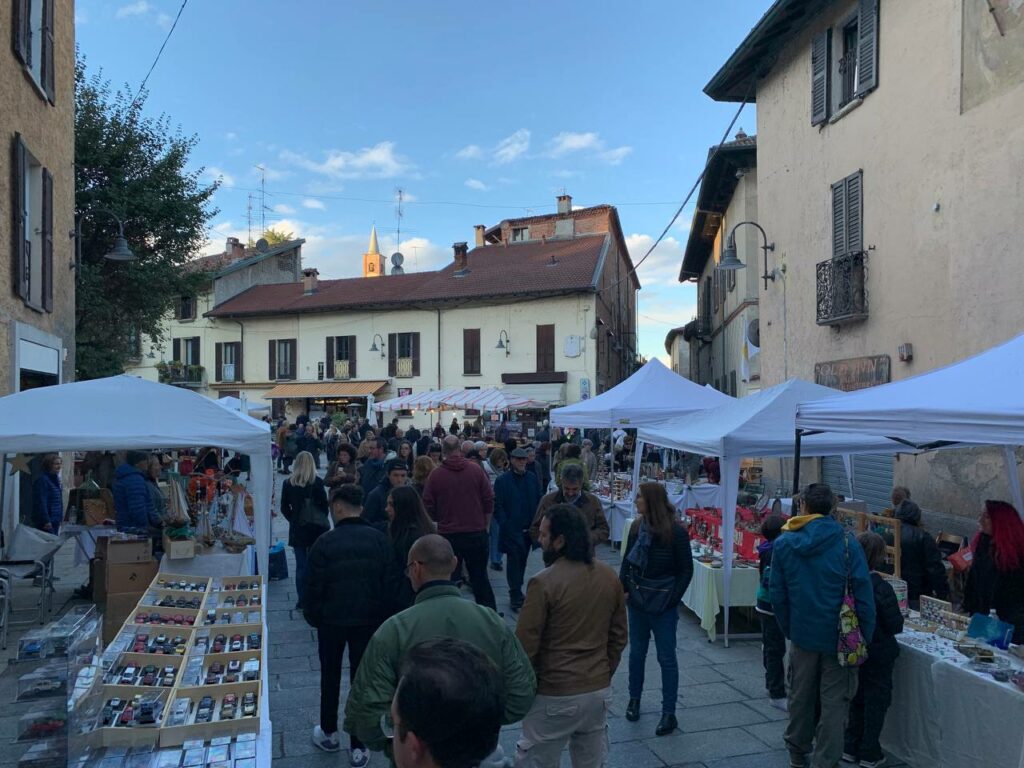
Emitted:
<point x="570" y="491"/>
<point x="573" y="628"/>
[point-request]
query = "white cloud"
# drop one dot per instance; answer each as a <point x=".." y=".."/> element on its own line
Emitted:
<point x="269" y="172"/>
<point x="164" y="21"/>
<point x="590" y="142"/>
<point x="313" y="203"/>
<point x="470" y="152"/>
<point x="213" y="173"/>
<point x="476" y="184"/>
<point x="512" y="147"/>
<point x="377" y="162"/>
<point x="285" y="210"/>
<point x="230" y="135"/>
<point x="133" y="9"/>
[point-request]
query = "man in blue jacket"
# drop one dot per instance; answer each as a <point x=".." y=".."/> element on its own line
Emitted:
<point x="132" y="501"/>
<point x="810" y="563"/>
<point x="516" y="496"/>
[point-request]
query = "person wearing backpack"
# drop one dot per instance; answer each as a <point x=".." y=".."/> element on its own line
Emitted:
<point x="817" y="572"/>
<point x="773" y="642"/>
<point x="304" y="506"/>
<point x="874" y="687"/>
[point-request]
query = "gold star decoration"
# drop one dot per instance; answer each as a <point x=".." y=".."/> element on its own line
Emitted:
<point x="19" y="463"/>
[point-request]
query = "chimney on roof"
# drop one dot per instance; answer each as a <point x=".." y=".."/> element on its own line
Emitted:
<point x="234" y="249"/>
<point x="461" y="257"/>
<point x="564" y="204"/>
<point x="480" y="229"/>
<point x="309" y="280"/>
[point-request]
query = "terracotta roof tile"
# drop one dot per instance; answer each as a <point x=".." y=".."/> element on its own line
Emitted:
<point x="531" y="268"/>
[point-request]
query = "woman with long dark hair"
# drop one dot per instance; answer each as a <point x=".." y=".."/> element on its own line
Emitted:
<point x="996" y="578"/>
<point x="405" y="455"/>
<point x="655" y="573"/>
<point x="407" y="521"/>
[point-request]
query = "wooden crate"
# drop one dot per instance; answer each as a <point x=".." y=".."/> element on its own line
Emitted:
<point x="173" y="736"/>
<point x="118" y="736"/>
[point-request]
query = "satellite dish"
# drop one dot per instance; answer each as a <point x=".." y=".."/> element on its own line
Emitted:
<point x="754" y="332"/>
<point x="397" y="258"/>
<point x="397" y="270"/>
<point x="262" y="245"/>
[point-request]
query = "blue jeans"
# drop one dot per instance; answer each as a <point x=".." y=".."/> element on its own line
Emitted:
<point x="663" y="626"/>
<point x="301" y="559"/>
<point x="495" y="533"/>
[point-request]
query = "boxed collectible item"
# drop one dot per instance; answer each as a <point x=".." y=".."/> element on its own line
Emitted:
<point x="216" y="710"/>
<point x="118" y="550"/>
<point x="179" y="549"/>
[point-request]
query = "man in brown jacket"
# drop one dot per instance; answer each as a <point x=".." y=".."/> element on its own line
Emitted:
<point x="571" y="492"/>
<point x="573" y="628"/>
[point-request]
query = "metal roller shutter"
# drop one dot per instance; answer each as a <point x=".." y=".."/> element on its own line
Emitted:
<point x="872" y="478"/>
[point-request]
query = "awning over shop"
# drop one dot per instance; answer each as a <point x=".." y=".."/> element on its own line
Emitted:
<point x="550" y="393"/>
<point x="325" y="389"/>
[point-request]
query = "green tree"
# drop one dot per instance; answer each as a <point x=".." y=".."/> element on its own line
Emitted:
<point x="277" y="236"/>
<point x="136" y="168"/>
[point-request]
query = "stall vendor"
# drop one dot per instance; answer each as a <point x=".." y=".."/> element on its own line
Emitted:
<point x="132" y="500"/>
<point x="47" y="496"/>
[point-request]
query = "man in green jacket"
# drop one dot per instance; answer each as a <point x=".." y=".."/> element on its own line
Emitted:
<point x="439" y="611"/>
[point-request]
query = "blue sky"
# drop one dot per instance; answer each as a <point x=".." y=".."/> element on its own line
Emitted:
<point x="477" y="111"/>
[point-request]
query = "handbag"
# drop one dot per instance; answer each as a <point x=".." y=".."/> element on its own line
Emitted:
<point x="311" y="516"/>
<point x="650" y="595"/>
<point x="851" y="649"/>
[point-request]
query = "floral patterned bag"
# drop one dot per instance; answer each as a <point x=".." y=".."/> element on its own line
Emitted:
<point x="852" y="651"/>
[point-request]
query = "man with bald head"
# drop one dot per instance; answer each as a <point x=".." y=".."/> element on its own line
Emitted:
<point x="460" y="499"/>
<point x="439" y="611"/>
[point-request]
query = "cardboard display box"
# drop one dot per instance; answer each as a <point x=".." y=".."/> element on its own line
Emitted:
<point x="118" y="551"/>
<point x="119" y="607"/>
<point x="131" y="578"/>
<point x="179" y="550"/>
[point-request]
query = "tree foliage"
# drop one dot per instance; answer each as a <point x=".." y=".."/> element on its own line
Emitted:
<point x="276" y="236"/>
<point x="136" y="168"/>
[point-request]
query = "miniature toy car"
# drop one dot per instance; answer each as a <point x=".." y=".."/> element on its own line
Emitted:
<point x="234" y="665"/>
<point x="160" y="639"/>
<point x="204" y="713"/>
<point x="127" y="716"/>
<point x="254" y="641"/>
<point x="180" y="712"/>
<point x="228" y="707"/>
<point x="251" y="669"/>
<point x="178" y="619"/>
<point x="218" y="647"/>
<point x="189" y="620"/>
<point x="178" y="640"/>
<point x="229" y="602"/>
<point x="249" y="704"/>
<point x="141" y="618"/>
<point x="229" y="587"/>
<point x="107" y="715"/>
<point x="236" y="645"/>
<point x="142" y="637"/>
<point x="45" y="685"/>
<point x="168" y="677"/>
<point x="211" y="617"/>
<point x="241" y="602"/>
<point x="147" y="713"/>
<point x="216" y="668"/>
<point x="255" y="600"/>
<point x="166" y="602"/>
<point x="128" y="675"/>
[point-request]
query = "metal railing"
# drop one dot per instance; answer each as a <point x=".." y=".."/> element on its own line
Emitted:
<point x="841" y="294"/>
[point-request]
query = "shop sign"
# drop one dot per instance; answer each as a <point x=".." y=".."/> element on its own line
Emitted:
<point x="584" y="389"/>
<point x="854" y="373"/>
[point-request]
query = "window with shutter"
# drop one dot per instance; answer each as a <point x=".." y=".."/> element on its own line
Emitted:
<point x="218" y="362"/>
<point x="392" y="354"/>
<point x="46" y="74"/>
<point x="32" y="225"/>
<point x="844" y="63"/>
<point x="176" y="350"/>
<point x="545" y="348"/>
<point x="36" y="55"/>
<point x="867" y="48"/>
<point x="847" y="215"/>
<point x="22" y="31"/>
<point x="46" y="237"/>
<point x="839" y="218"/>
<point x="352" y="357"/>
<point x="820" y="56"/>
<point x="286" y="358"/>
<point x="19" y="224"/>
<point x="272" y="360"/>
<point x="471" y="351"/>
<point x="329" y="359"/>
<point x="192" y="347"/>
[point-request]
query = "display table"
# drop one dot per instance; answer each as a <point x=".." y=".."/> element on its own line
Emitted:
<point x="217" y="562"/>
<point x="943" y="715"/>
<point x="705" y="594"/>
<point x="620" y="512"/>
<point x="85" y="539"/>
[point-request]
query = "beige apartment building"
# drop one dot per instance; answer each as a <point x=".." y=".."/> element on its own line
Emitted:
<point x="890" y="143"/>
<point x="562" y="305"/>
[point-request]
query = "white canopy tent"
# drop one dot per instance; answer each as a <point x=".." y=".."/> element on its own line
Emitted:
<point x="490" y="399"/>
<point x="125" y="412"/>
<point x="760" y="425"/>
<point x="421" y="400"/>
<point x="978" y="401"/>
<point x="235" y="404"/>
<point x="654" y="392"/>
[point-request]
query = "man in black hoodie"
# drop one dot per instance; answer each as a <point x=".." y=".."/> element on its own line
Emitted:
<point x="375" y="506"/>
<point x="920" y="559"/>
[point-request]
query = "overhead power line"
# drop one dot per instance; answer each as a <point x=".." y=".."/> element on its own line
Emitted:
<point x="163" y="45"/>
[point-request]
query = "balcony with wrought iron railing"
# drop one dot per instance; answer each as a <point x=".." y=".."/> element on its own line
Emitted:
<point x="403" y="368"/>
<point x="841" y="289"/>
<point x="341" y="370"/>
<point x="180" y="374"/>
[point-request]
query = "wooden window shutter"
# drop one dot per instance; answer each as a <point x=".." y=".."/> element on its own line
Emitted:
<point x="218" y="361"/>
<point x="839" y="218"/>
<point x="238" y="362"/>
<point x="19" y="274"/>
<point x="351" y="357"/>
<point x="21" y="29"/>
<point x="176" y="350"/>
<point x="47" y="241"/>
<point x="392" y="354"/>
<point x="415" y="354"/>
<point x="545" y="348"/>
<point x="293" y="361"/>
<point x="867" y="47"/>
<point x="329" y="359"/>
<point x="471" y="350"/>
<point x="855" y="212"/>
<point x="820" y="54"/>
<point x="46" y="62"/>
<point x="272" y="358"/>
<point x="195" y="350"/>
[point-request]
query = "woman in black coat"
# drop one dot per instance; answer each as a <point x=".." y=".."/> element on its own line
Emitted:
<point x="301" y="487"/>
<point x="407" y="521"/>
<point x="658" y="550"/>
<point x="996" y="578"/>
<point x="920" y="559"/>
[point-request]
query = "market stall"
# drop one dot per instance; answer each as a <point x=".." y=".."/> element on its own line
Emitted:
<point x="760" y="425"/>
<point x="125" y="412"/>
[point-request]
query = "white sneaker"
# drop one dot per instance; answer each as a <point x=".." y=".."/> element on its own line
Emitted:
<point x="328" y="742"/>
<point x="782" y="704"/>
<point x="360" y="758"/>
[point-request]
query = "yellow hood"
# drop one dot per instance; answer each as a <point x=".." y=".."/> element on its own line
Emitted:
<point x="796" y="522"/>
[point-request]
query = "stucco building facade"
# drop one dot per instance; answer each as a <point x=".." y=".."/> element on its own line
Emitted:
<point x="890" y="158"/>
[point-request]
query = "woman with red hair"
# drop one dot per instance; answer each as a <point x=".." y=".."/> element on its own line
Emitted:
<point x="996" y="578"/>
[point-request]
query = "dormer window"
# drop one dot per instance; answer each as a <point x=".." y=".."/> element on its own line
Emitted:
<point x="520" y="234"/>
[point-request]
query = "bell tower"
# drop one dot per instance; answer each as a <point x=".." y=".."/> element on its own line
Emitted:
<point x="373" y="262"/>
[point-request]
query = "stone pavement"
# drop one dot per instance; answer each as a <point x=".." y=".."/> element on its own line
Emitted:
<point x="725" y="720"/>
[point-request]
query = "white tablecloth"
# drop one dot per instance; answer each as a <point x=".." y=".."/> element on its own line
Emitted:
<point x="86" y="535"/>
<point x="945" y="716"/>
<point x="216" y="563"/>
<point x="703" y="495"/>
<point x="618" y="512"/>
<point x="705" y="594"/>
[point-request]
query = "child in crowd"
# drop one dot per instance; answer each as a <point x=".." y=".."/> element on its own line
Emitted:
<point x="874" y="689"/>
<point x="773" y="642"/>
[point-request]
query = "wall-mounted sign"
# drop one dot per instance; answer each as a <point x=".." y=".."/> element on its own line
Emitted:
<point x="584" y="388"/>
<point x="854" y="373"/>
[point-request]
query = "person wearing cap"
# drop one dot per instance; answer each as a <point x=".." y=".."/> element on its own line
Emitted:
<point x="132" y="501"/>
<point x="375" y="506"/>
<point x="517" y="494"/>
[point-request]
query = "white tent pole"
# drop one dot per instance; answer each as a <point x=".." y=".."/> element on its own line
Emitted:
<point x="730" y="467"/>
<point x="848" y="464"/>
<point x="638" y="455"/>
<point x="1010" y="459"/>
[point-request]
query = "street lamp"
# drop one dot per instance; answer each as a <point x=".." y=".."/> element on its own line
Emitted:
<point x="120" y="251"/>
<point x="731" y="262"/>
<point x="504" y="342"/>
<point x="374" y="347"/>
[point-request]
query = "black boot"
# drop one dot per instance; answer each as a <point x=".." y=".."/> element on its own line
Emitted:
<point x="666" y="725"/>
<point x="633" y="710"/>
